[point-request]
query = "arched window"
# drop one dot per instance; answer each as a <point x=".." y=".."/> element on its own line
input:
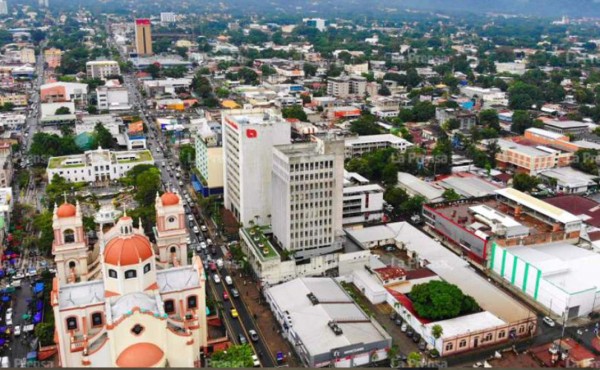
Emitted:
<point x="501" y="334"/>
<point x="71" y="323"/>
<point x="462" y="343"/>
<point x="169" y="306"/>
<point x="449" y="347"/>
<point x="173" y="250"/>
<point x="192" y="302"/>
<point x="488" y="337"/>
<point x="97" y="319"/>
<point x="147" y="268"/>
<point x="72" y="264"/>
<point x="112" y="273"/>
<point x="521" y="329"/>
<point x="69" y="236"/>
<point x="130" y="274"/>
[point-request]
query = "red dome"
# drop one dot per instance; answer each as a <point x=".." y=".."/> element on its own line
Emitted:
<point x="169" y="199"/>
<point x="66" y="210"/>
<point x="140" y="355"/>
<point x="127" y="250"/>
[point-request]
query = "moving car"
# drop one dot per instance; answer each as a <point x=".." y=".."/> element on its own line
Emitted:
<point x="216" y="278"/>
<point x="17" y="330"/>
<point x="225" y="296"/>
<point x="548" y="321"/>
<point x="220" y="264"/>
<point x="196" y="230"/>
<point x="242" y="339"/>
<point x="234" y="313"/>
<point x="253" y="335"/>
<point x="235" y="293"/>
<point x="255" y="361"/>
<point x="190" y="217"/>
<point x="203" y="228"/>
<point x="228" y="280"/>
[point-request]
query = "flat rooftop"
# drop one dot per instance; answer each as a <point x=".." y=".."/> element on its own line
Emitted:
<point x="177" y="278"/>
<point x="586" y="209"/>
<point x="382" y="138"/>
<point x="449" y="267"/>
<point x="80" y="294"/>
<point x="537" y="205"/>
<point x="334" y="305"/>
<point x="566" y="124"/>
<point x="469" y="186"/>
<point x="568" y="267"/>
<point x="260" y="243"/>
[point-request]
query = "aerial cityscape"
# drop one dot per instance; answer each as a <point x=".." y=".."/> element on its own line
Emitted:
<point x="335" y="183"/>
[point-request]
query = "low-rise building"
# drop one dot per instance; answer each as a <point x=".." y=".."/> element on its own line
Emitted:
<point x="345" y="86"/>
<point x="110" y="122"/>
<point x="97" y="166"/>
<point x="567" y="127"/>
<point x="416" y="187"/>
<point x="362" y="201"/>
<point x="64" y="92"/>
<point x="570" y="181"/>
<point x="18" y="100"/>
<point x="359" y="145"/>
<point x="27" y="56"/>
<point x="340" y="333"/>
<point x="12" y="120"/>
<point x="530" y="159"/>
<point x="102" y="69"/>
<point x="52" y="57"/>
<point x="466" y="119"/>
<point x="113" y="98"/>
<point x="166" y="86"/>
<point x="6" y="165"/>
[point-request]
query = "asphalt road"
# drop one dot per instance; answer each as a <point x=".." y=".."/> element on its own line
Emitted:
<point x="234" y="326"/>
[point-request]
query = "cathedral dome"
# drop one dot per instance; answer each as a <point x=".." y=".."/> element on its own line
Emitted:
<point x="169" y="199"/>
<point x="127" y="250"/>
<point x="140" y="355"/>
<point x="66" y="210"/>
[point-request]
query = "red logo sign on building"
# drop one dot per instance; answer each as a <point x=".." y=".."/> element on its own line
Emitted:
<point x="251" y="134"/>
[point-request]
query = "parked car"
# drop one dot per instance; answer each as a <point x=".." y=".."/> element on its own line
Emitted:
<point x="190" y="217"/>
<point x="255" y="361"/>
<point x="404" y="327"/>
<point x="253" y="335"/>
<point x="399" y="322"/>
<point x="410" y="332"/>
<point x="17" y="331"/>
<point x="5" y="361"/>
<point x="416" y="338"/>
<point x="422" y="346"/>
<point x="242" y="339"/>
<point x="393" y="315"/>
<point x="548" y="321"/>
<point x="216" y="278"/>
<point x="203" y="228"/>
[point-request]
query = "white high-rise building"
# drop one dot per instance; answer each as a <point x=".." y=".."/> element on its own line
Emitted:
<point x="102" y="69"/>
<point x="307" y="192"/>
<point x="248" y="140"/>
<point x="44" y="3"/>
<point x="167" y="17"/>
<point x="3" y="7"/>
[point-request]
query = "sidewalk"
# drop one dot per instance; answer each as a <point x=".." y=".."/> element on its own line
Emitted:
<point x="264" y="322"/>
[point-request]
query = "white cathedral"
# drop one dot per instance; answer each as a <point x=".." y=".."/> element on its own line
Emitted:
<point x="127" y="302"/>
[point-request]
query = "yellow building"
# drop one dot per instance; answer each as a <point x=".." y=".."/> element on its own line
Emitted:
<point x="53" y="57"/>
<point x="143" y="37"/>
<point x="27" y="55"/>
<point x="19" y="100"/>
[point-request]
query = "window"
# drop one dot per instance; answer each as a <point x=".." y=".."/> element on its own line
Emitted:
<point x="97" y="319"/>
<point x="462" y="343"/>
<point x="501" y="334"/>
<point x="169" y="306"/>
<point x="173" y="250"/>
<point x="69" y="236"/>
<point x="488" y="337"/>
<point x="72" y="265"/>
<point x="449" y="347"/>
<point x="72" y="323"/>
<point x="521" y="329"/>
<point x="112" y="273"/>
<point x="192" y="302"/>
<point x="137" y="329"/>
<point x="130" y="274"/>
<point x="147" y="268"/>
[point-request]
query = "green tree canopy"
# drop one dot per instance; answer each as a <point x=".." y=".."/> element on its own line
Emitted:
<point x="187" y="156"/>
<point x="233" y="357"/>
<point x="365" y="125"/>
<point x="294" y="111"/>
<point x="103" y="137"/>
<point x="62" y="110"/>
<point x="524" y="182"/>
<point x="439" y="300"/>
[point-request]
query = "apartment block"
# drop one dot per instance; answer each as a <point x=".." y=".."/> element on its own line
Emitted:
<point x="344" y="86"/>
<point x="102" y="69"/>
<point x="307" y="191"/>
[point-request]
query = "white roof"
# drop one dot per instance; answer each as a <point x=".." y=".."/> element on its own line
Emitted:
<point x="544" y="133"/>
<point x="177" y="278"/>
<point x="474" y="322"/>
<point x="566" y="124"/>
<point x="80" y="294"/>
<point x="568" y="267"/>
<point x="127" y="302"/>
<point x="317" y="337"/>
<point x="537" y="205"/>
<point x="494" y="215"/>
<point x="447" y="266"/>
<point x="418" y="186"/>
<point x="469" y="186"/>
<point x="383" y="138"/>
<point x="568" y="176"/>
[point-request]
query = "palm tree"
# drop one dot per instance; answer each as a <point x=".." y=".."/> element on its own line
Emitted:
<point x="437" y="331"/>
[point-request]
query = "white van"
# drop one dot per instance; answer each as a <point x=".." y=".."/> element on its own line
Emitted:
<point x="5" y="362"/>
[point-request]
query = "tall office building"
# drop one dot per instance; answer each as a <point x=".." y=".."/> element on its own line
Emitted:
<point x="3" y="7"/>
<point x="307" y="194"/>
<point x="168" y="17"/>
<point x="248" y="140"/>
<point x="44" y="3"/>
<point x="143" y="37"/>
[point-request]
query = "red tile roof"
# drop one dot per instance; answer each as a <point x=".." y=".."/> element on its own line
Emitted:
<point x="419" y="274"/>
<point x="390" y="272"/>
<point x="578" y="205"/>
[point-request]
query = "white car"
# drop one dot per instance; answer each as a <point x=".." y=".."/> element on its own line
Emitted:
<point x="548" y="321"/>
<point x="188" y="241"/>
<point x="196" y="230"/>
<point x="216" y="278"/>
<point x="208" y="241"/>
<point x="255" y="361"/>
<point x="202" y="245"/>
<point x="204" y="228"/>
<point x="19" y="275"/>
<point x="9" y="321"/>
<point x="17" y="330"/>
<point x="228" y="280"/>
<point x="190" y="218"/>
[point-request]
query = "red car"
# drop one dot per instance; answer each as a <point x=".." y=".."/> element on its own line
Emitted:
<point x="213" y="266"/>
<point x="225" y="296"/>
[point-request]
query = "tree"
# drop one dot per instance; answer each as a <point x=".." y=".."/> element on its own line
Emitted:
<point x="413" y="206"/>
<point x="384" y="90"/>
<point x="154" y="70"/>
<point x="309" y="69"/>
<point x="147" y="184"/>
<point x="451" y="124"/>
<point x="439" y="300"/>
<point x="586" y="160"/>
<point x="414" y="359"/>
<point x="44" y="331"/>
<point x="103" y="137"/>
<point x="524" y="182"/>
<point x="491" y="150"/>
<point x="521" y="121"/>
<point x="181" y="51"/>
<point x="187" y="156"/>
<point x="489" y="118"/>
<point x="423" y="111"/>
<point x="92" y="109"/>
<point x="451" y="195"/>
<point x="62" y="111"/>
<point x="437" y="331"/>
<point x="365" y="125"/>
<point x="42" y="224"/>
<point x="234" y="356"/>
<point x="294" y="111"/>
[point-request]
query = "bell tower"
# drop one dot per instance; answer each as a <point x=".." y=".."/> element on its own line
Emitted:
<point x="171" y="231"/>
<point x="70" y="244"/>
